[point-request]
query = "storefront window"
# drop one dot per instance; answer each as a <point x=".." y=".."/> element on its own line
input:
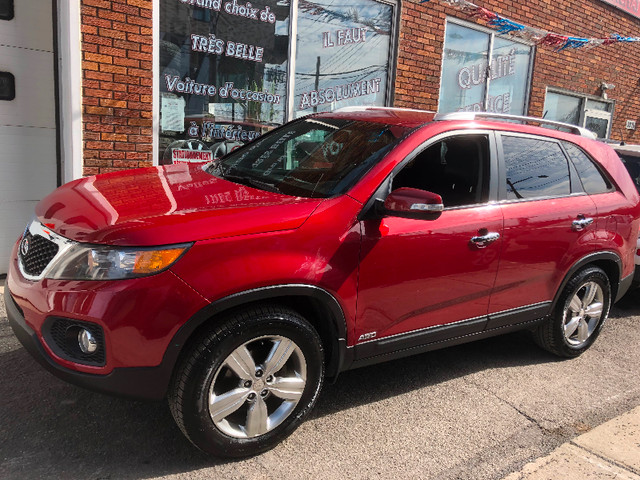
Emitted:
<point x="223" y="71"/>
<point x="464" y="69"/>
<point x="225" y="67"/>
<point x="483" y="72"/>
<point x="580" y="110"/>
<point x="343" y="54"/>
<point x="509" y="85"/>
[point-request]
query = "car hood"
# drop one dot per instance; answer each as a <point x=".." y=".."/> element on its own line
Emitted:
<point x="166" y="205"/>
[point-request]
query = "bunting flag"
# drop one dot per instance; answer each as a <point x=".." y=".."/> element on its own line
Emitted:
<point x="506" y="26"/>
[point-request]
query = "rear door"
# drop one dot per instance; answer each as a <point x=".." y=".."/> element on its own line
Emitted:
<point x="549" y="224"/>
<point x="614" y="219"/>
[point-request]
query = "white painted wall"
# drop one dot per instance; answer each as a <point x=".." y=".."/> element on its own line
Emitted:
<point x="28" y="165"/>
<point x="70" y="88"/>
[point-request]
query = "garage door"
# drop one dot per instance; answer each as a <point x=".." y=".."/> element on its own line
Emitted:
<point x="28" y="163"/>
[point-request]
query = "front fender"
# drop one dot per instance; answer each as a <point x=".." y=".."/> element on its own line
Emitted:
<point x="339" y="359"/>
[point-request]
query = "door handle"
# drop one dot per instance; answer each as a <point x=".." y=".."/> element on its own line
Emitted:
<point x="581" y="223"/>
<point x="481" y="241"/>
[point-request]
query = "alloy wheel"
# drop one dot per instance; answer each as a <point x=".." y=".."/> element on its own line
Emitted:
<point x="257" y="386"/>
<point x="583" y="314"/>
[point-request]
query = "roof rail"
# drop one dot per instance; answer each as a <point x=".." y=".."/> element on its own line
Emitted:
<point x="583" y="132"/>
<point x="363" y="108"/>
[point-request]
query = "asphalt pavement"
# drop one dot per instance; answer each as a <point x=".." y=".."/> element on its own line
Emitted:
<point x="487" y="410"/>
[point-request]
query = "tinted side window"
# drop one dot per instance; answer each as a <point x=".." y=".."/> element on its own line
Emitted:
<point x="633" y="167"/>
<point x="455" y="168"/>
<point x="535" y="168"/>
<point x="592" y="179"/>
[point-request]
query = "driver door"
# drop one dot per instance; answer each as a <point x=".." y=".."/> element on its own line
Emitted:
<point x="416" y="274"/>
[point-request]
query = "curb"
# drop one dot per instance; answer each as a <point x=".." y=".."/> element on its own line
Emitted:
<point x="610" y="451"/>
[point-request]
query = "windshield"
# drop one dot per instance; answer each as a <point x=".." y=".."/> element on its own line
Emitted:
<point x="310" y="157"/>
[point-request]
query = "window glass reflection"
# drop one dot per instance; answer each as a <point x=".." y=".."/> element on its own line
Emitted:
<point x="597" y="105"/>
<point x="509" y="77"/>
<point x="343" y="53"/>
<point x="563" y="108"/>
<point x="599" y="126"/>
<point x="591" y="178"/>
<point x="310" y="157"/>
<point x="223" y="70"/>
<point x="466" y="73"/>
<point x="535" y="168"/>
<point x="464" y="69"/>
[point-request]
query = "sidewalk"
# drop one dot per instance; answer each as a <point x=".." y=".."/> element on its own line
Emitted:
<point x="611" y="450"/>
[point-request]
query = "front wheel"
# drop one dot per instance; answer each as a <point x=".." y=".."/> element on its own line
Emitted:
<point x="579" y="315"/>
<point x="248" y="382"/>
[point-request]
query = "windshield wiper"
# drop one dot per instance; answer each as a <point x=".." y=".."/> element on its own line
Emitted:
<point x="251" y="181"/>
<point x="215" y="169"/>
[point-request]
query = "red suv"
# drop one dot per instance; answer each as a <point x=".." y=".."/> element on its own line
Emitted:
<point x="335" y="241"/>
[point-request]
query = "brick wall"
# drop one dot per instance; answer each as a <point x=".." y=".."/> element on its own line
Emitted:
<point x="581" y="71"/>
<point x="117" y="84"/>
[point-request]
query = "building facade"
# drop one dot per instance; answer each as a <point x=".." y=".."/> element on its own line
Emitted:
<point x="169" y="76"/>
<point x="134" y="83"/>
<point x="155" y="72"/>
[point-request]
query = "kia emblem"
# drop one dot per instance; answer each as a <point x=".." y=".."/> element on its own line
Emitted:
<point x="24" y="246"/>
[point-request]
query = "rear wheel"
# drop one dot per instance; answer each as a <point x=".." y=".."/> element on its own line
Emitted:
<point x="248" y="382"/>
<point x="579" y="315"/>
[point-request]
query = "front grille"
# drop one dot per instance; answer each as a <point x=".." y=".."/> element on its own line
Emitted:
<point x="40" y="252"/>
<point x="61" y="334"/>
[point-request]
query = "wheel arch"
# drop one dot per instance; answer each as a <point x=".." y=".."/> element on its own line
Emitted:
<point x="609" y="262"/>
<point x="315" y="304"/>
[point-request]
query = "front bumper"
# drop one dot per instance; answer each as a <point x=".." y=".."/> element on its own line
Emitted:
<point x="149" y="383"/>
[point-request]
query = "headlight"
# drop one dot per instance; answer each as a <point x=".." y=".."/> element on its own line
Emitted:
<point x="96" y="262"/>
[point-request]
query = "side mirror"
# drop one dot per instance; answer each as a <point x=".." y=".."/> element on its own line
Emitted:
<point x="411" y="202"/>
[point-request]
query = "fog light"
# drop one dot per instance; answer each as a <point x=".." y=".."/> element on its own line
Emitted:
<point x="86" y="341"/>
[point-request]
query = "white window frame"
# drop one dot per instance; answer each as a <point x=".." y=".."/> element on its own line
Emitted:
<point x="584" y="111"/>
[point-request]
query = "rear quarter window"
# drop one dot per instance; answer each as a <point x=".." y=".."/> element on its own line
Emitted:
<point x="632" y="164"/>
<point x="591" y="177"/>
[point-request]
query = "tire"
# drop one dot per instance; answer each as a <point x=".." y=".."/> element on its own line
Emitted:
<point x="248" y="382"/>
<point x="579" y="315"/>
